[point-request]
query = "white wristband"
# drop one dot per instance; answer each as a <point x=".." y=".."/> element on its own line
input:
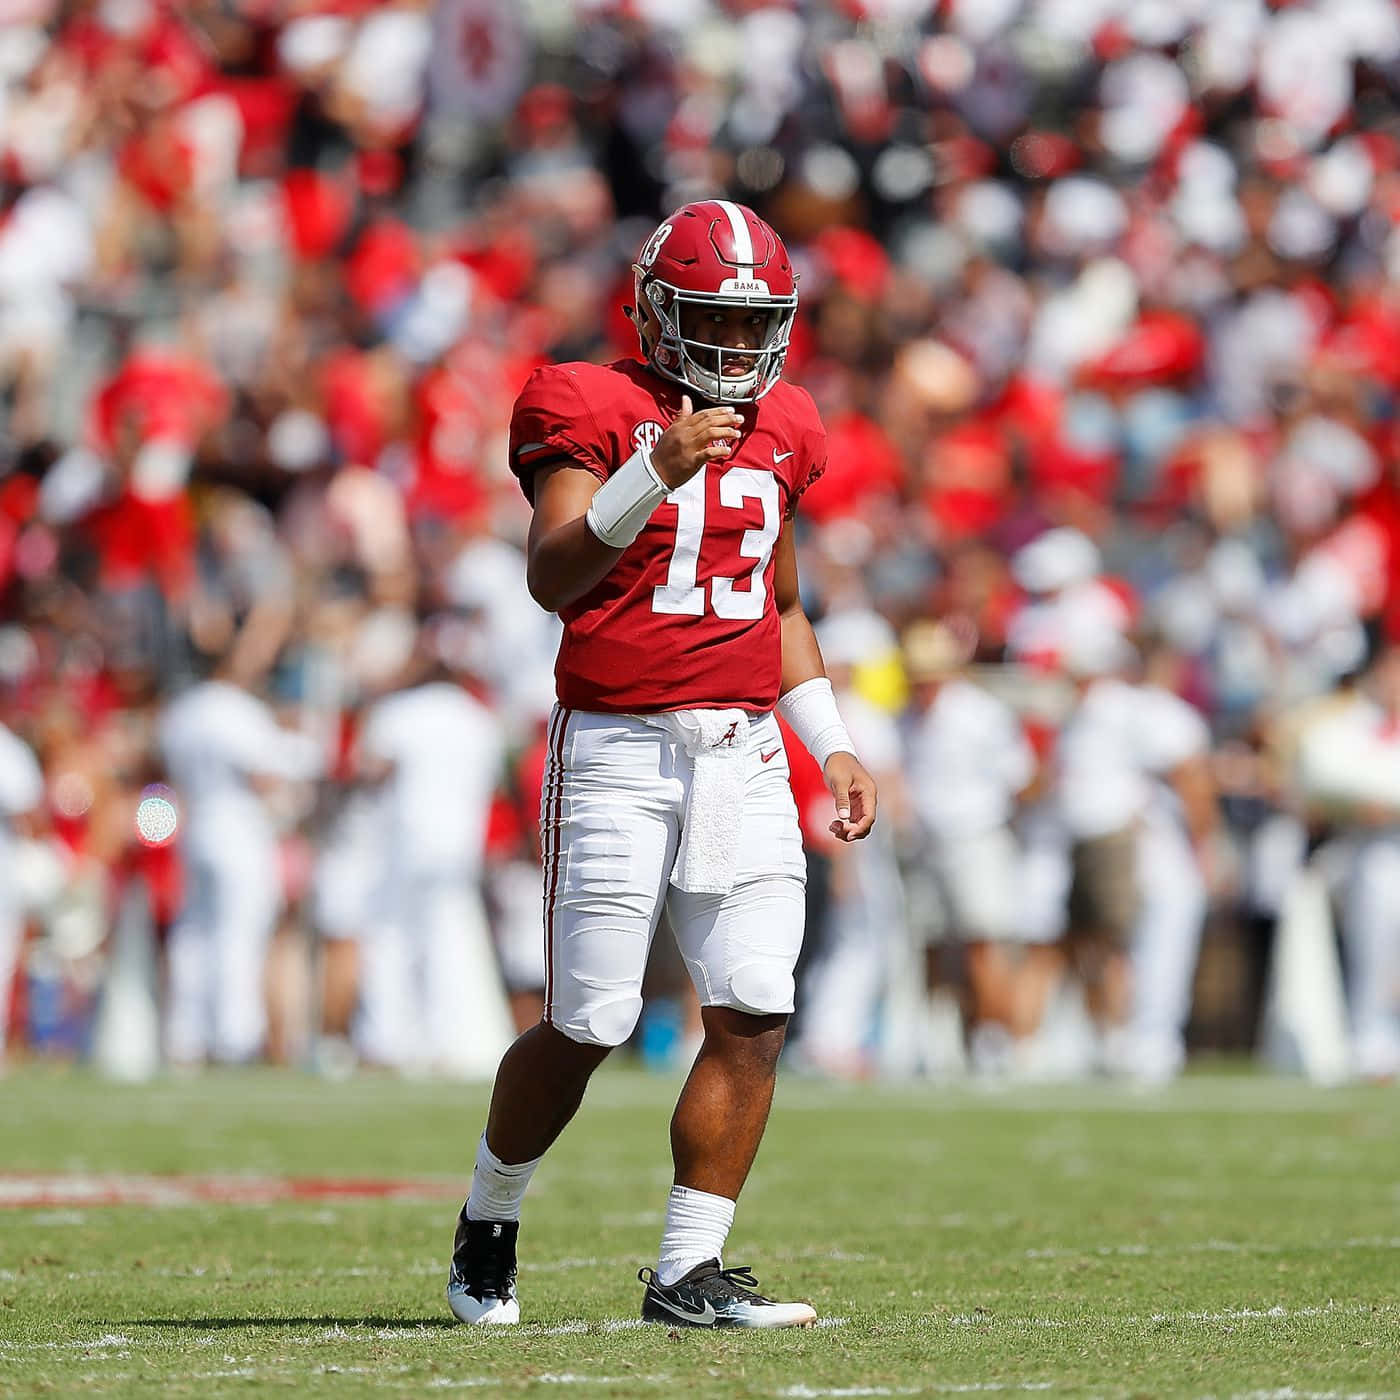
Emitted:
<point x="625" y="501"/>
<point x="811" y="713"/>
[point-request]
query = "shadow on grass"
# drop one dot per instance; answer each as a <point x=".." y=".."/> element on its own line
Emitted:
<point x="215" y="1324"/>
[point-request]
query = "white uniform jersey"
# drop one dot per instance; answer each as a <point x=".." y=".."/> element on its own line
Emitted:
<point x="513" y="641"/>
<point x="446" y="750"/>
<point x="21" y="781"/>
<point x="216" y="738"/>
<point x="1119" y="741"/>
<point x="968" y="758"/>
<point x="21" y="791"/>
<point x="1351" y="755"/>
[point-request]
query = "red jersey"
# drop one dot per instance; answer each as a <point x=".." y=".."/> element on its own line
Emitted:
<point x="686" y="616"/>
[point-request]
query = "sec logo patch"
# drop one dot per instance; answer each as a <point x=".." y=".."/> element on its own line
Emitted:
<point x="646" y="435"/>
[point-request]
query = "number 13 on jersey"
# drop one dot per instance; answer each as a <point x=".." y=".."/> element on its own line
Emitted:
<point x="682" y="594"/>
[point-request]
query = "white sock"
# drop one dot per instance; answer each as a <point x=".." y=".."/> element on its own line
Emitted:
<point x="697" y="1225"/>
<point x="498" y="1187"/>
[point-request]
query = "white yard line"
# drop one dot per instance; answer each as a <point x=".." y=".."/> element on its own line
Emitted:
<point x="1208" y="1247"/>
<point x="808" y="1392"/>
<point x="1274" y="1314"/>
<point x="1289" y="1392"/>
<point x="108" y="1341"/>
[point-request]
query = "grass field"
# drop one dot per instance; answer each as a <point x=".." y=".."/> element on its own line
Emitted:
<point x="1233" y="1236"/>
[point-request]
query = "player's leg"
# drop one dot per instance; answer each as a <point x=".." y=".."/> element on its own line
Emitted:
<point x="843" y="987"/>
<point x="1165" y="946"/>
<point x="466" y="1017"/>
<point x="11" y="938"/>
<point x="517" y="897"/>
<point x="189" y="967"/>
<point x="248" y="900"/>
<point x="610" y="830"/>
<point x="741" y="949"/>
<point x="1103" y="907"/>
<point x="1371" y="929"/>
<point x="385" y="1020"/>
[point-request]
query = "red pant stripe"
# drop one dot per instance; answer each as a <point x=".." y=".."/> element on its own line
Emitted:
<point x="554" y="814"/>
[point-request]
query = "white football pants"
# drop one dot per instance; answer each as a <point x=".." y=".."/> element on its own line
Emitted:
<point x="614" y="795"/>
<point x="1371" y="928"/>
<point x="217" y="950"/>
<point x="1165" y="946"/>
<point x="431" y="997"/>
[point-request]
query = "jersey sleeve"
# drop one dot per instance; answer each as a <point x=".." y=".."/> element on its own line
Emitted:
<point x="1169" y="730"/>
<point x="552" y="419"/>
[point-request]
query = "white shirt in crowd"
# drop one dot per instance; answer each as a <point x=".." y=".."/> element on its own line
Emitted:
<point x="446" y="752"/>
<point x="1118" y="742"/>
<point x="968" y="758"/>
<point x="21" y="782"/>
<point x="1350" y="754"/>
<point x="21" y="790"/>
<point x="216" y="738"/>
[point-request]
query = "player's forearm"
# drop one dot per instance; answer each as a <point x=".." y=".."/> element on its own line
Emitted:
<point x="1196" y="790"/>
<point x="567" y="562"/>
<point x="802" y="657"/>
<point x="806" y="701"/>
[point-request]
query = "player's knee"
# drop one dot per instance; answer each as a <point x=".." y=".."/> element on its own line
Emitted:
<point x="761" y="989"/>
<point x="605" y="1022"/>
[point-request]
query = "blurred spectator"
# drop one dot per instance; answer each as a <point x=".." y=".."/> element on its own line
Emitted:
<point x="431" y="996"/>
<point x="969" y="763"/>
<point x="862" y="941"/>
<point x="220" y="742"/>
<point x="1135" y="797"/>
<point x="1351" y="772"/>
<point x="21" y="791"/>
<point x="1115" y="281"/>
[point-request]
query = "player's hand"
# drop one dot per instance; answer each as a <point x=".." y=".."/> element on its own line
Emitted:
<point x="692" y="440"/>
<point x="854" y="791"/>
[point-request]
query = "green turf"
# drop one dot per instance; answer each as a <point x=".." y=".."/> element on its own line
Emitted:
<point x="1234" y="1236"/>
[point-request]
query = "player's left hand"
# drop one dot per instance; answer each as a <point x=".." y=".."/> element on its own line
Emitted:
<point x="854" y="791"/>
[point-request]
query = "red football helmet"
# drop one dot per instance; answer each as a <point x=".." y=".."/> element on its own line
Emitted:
<point x="714" y="253"/>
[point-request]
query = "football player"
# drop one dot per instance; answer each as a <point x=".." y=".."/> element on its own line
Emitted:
<point x="663" y="491"/>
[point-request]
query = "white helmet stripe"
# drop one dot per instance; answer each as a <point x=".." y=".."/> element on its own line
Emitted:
<point x="743" y="239"/>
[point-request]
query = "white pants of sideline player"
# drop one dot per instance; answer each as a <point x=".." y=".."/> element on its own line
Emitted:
<point x="11" y="935"/>
<point x="1371" y="927"/>
<point x="864" y="949"/>
<point x="218" y="949"/>
<point x="1166" y="943"/>
<point x="431" y="997"/>
<point x="1166" y="935"/>
<point x="614" y="797"/>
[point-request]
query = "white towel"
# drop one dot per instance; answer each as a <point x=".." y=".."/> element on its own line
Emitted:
<point x="717" y="743"/>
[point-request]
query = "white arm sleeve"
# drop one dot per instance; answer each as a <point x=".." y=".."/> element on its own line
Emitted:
<point x="810" y="710"/>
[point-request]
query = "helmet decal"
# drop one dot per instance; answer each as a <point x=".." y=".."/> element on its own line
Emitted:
<point x="654" y="245"/>
<point x="739" y="231"/>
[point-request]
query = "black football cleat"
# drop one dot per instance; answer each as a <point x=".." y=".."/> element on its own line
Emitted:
<point x="709" y="1296"/>
<point x="481" y="1281"/>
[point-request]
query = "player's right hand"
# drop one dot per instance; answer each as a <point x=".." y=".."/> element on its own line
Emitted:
<point x="692" y="440"/>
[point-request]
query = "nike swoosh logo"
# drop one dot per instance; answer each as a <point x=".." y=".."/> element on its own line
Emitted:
<point x="764" y="757"/>
<point x="704" y="1318"/>
<point x="780" y="456"/>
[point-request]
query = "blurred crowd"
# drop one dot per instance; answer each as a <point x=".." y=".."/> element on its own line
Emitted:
<point x="1101" y="307"/>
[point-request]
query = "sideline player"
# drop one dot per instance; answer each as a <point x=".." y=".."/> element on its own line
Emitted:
<point x="659" y="537"/>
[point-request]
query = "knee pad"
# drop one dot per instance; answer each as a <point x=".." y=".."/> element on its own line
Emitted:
<point x="605" y="1023"/>
<point x="761" y="988"/>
